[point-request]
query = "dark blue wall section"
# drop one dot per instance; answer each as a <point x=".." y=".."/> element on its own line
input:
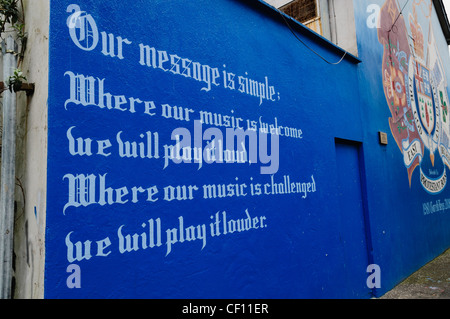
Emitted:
<point x="147" y="196"/>
<point x="352" y="214"/>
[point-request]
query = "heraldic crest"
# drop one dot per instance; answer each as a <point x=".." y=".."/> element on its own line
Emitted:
<point x="415" y="86"/>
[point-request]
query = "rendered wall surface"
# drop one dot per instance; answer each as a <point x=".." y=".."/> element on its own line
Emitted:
<point x="403" y="81"/>
<point x="125" y="220"/>
<point x="31" y="157"/>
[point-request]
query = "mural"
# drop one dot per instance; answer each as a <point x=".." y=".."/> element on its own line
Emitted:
<point x="416" y="91"/>
<point x="179" y="164"/>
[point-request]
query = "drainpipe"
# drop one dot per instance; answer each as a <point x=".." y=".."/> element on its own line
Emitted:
<point x="8" y="167"/>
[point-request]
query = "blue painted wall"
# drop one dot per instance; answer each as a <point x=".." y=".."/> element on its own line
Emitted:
<point x="309" y="244"/>
<point x="410" y="226"/>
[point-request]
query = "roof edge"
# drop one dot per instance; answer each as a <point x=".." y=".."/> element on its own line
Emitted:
<point x="443" y="19"/>
<point x="305" y="31"/>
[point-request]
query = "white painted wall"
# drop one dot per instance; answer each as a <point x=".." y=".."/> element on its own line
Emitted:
<point x="342" y="25"/>
<point x="447" y="8"/>
<point x="31" y="168"/>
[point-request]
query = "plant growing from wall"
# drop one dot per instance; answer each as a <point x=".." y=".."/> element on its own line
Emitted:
<point x="16" y="80"/>
<point x="11" y="16"/>
<point x="9" y="13"/>
<point x="12" y="20"/>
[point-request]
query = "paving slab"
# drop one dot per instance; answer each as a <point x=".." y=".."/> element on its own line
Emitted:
<point x="432" y="281"/>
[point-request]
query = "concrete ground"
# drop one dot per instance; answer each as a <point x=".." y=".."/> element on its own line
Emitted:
<point x="432" y="281"/>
